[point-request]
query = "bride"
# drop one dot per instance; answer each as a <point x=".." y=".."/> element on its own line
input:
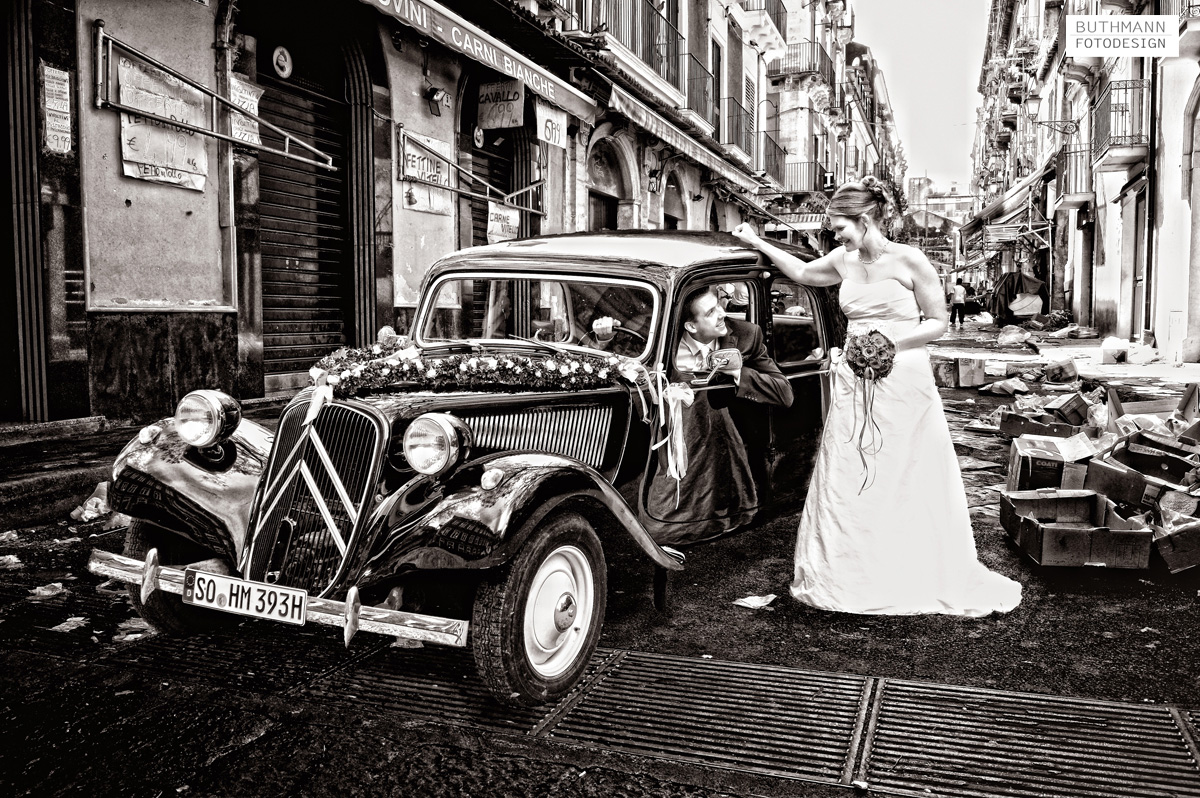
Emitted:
<point x="885" y="527"/>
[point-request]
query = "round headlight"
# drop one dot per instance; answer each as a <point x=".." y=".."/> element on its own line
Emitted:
<point x="206" y="418"/>
<point x="432" y="443"/>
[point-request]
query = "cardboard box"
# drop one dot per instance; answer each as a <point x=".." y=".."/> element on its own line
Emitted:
<point x="1187" y="407"/>
<point x="945" y="372"/>
<point x="1062" y="371"/>
<point x="1179" y="448"/>
<point x="1122" y="483"/>
<point x="971" y="372"/>
<point x="1073" y="528"/>
<point x="1180" y="549"/>
<point x="1153" y="462"/>
<point x="1042" y="461"/>
<point x="1017" y="424"/>
<point x="1071" y="408"/>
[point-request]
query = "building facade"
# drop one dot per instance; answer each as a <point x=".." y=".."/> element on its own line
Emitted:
<point x="209" y="193"/>
<point x="1085" y="165"/>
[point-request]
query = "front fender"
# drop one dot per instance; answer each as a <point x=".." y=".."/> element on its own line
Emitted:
<point x="160" y="478"/>
<point x="460" y="525"/>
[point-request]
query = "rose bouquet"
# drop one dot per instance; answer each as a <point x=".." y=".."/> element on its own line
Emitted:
<point x="870" y="356"/>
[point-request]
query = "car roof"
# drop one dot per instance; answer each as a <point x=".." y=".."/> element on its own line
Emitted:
<point x="658" y="255"/>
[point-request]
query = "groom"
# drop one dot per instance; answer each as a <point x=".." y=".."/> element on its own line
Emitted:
<point x="718" y="493"/>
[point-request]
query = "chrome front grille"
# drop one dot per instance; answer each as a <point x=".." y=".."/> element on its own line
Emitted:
<point x="317" y="483"/>
<point x="577" y="432"/>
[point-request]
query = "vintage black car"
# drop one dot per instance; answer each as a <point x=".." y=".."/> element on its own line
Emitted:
<point x="461" y="485"/>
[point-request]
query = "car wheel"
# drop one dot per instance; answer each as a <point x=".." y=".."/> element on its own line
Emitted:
<point x="165" y="611"/>
<point x="535" y="625"/>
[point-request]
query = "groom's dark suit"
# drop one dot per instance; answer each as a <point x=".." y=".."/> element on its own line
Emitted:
<point x="718" y="492"/>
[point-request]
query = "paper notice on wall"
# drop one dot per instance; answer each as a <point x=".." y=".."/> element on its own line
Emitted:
<point x="504" y="223"/>
<point x="501" y="104"/>
<point x="154" y="149"/>
<point x="56" y="109"/>
<point x="551" y="124"/>
<point x="246" y="96"/>
<point x="426" y="169"/>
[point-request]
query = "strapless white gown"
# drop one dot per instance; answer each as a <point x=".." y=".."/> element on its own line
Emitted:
<point x="904" y="544"/>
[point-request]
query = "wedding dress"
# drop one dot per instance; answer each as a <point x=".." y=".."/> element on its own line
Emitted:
<point x="885" y="528"/>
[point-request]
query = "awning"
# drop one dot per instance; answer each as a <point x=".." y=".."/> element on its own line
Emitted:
<point x="801" y="221"/>
<point x="443" y="25"/>
<point x="1015" y="198"/>
<point x="641" y="115"/>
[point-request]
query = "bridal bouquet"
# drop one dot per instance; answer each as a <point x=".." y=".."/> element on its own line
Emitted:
<point x="870" y="356"/>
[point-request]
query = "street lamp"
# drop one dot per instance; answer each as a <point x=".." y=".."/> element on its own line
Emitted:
<point x="1033" y="104"/>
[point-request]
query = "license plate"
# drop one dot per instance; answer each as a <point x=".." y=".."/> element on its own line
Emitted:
<point x="254" y="599"/>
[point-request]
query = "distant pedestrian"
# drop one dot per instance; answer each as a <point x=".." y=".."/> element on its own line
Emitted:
<point x="958" y="302"/>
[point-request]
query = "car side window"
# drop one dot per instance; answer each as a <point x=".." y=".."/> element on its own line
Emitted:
<point x="795" y="323"/>
<point x="736" y="300"/>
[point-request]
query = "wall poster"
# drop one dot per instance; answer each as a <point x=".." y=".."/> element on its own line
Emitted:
<point x="154" y="150"/>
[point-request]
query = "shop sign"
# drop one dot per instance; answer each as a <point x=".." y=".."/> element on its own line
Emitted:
<point x="245" y="96"/>
<point x="501" y="104"/>
<point x="439" y="24"/>
<point x="150" y="148"/>
<point x="426" y="160"/>
<point x="504" y="222"/>
<point x="551" y="124"/>
<point x="56" y="109"/>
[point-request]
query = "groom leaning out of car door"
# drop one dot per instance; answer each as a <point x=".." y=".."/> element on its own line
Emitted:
<point x="723" y="433"/>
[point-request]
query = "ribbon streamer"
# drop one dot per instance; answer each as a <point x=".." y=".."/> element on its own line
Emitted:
<point x="673" y="399"/>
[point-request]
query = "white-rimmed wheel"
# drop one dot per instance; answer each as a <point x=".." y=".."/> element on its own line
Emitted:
<point x="535" y="626"/>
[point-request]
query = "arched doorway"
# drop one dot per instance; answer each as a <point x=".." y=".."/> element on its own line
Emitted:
<point x="674" y="209"/>
<point x="714" y="217"/>
<point x="606" y="187"/>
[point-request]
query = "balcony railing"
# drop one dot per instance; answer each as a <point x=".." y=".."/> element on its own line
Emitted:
<point x="701" y="90"/>
<point x="1074" y="171"/>
<point x="773" y="157"/>
<point x="775" y="10"/>
<point x="739" y="127"/>
<point x="1120" y="117"/>
<point x="803" y="58"/>
<point x="638" y="25"/>
<point x="806" y="176"/>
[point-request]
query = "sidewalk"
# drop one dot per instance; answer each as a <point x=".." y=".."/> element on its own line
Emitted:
<point x="47" y="470"/>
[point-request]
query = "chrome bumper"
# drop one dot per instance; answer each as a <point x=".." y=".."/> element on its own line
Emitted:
<point x="349" y="614"/>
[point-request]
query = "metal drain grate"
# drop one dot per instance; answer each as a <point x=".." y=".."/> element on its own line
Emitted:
<point x="751" y="718"/>
<point x="438" y="684"/>
<point x="942" y="740"/>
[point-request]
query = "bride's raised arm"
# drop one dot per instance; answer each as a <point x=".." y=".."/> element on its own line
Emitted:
<point x="927" y="287"/>
<point x="821" y="271"/>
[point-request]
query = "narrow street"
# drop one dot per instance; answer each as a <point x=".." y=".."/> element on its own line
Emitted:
<point x="97" y="704"/>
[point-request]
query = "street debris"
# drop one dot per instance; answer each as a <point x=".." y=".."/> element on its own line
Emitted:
<point x="109" y="589"/>
<point x="756" y="602"/>
<point x="93" y="506"/>
<point x="9" y="537"/>
<point x="70" y="624"/>
<point x="64" y="541"/>
<point x="10" y="562"/>
<point x="47" y="591"/>
<point x="132" y="629"/>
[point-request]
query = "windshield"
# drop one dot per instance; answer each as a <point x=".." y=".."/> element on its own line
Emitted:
<point x="609" y="316"/>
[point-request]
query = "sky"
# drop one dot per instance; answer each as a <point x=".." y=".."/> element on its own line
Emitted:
<point x="931" y="52"/>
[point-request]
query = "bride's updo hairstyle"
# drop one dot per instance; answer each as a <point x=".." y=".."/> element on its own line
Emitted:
<point x="866" y="197"/>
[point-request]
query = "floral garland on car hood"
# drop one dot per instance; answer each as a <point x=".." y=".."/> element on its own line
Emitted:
<point x="393" y="365"/>
<point x="377" y="368"/>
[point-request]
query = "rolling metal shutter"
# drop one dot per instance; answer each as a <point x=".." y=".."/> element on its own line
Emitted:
<point x="305" y="234"/>
<point x="492" y="166"/>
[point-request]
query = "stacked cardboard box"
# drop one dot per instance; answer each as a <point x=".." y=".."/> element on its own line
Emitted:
<point x="1140" y="474"/>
